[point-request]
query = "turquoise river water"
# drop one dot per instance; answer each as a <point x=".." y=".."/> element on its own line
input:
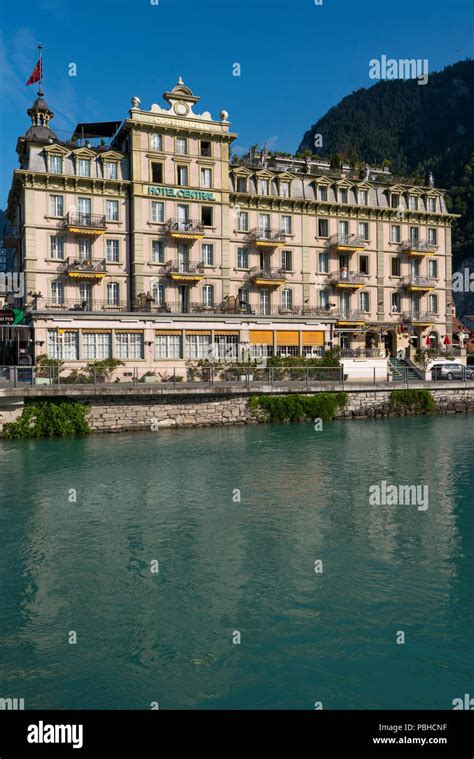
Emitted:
<point x="236" y="519"/>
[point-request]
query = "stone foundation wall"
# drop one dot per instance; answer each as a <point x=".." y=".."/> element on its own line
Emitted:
<point x="131" y="412"/>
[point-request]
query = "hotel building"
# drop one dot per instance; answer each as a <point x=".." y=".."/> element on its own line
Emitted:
<point x="155" y="248"/>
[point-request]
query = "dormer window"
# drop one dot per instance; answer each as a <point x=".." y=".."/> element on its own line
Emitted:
<point x="413" y="203"/>
<point x="111" y="170"/>
<point x="323" y="193"/>
<point x="241" y="184"/>
<point x="394" y="200"/>
<point x="363" y="197"/>
<point x="83" y="167"/>
<point x="285" y="189"/>
<point x="343" y="195"/>
<point x="431" y="204"/>
<point x="55" y="163"/>
<point x="263" y="187"/>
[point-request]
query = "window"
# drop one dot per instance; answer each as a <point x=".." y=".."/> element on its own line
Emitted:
<point x="364" y="301"/>
<point x="57" y="293"/>
<point x="181" y="145"/>
<point x="157" y="211"/>
<point x="287" y="299"/>
<point x="285" y="189"/>
<point x="286" y="260"/>
<point x="156" y="142"/>
<point x="198" y="346"/>
<point x="414" y="234"/>
<point x="364" y="264"/>
<point x="157" y="252"/>
<point x="432" y="268"/>
<point x="243" y="221"/>
<point x="156" y="172"/>
<point x="55" y="164"/>
<point x="112" y="210"/>
<point x="263" y="187"/>
<point x="112" y="249"/>
<point x="159" y="293"/>
<point x="206" y="178"/>
<point x="56" y="248"/>
<point x="241" y="184"/>
<point x="265" y="303"/>
<point x="433" y="303"/>
<point x="432" y="235"/>
<point x="324" y="298"/>
<point x="96" y="345"/>
<point x="323" y="193"/>
<point x="431" y="204"/>
<point x="363" y="228"/>
<point x="343" y="195"/>
<point x="286" y="224"/>
<point x="363" y="197"/>
<point x="264" y="222"/>
<point x="323" y="263"/>
<point x="206" y="149"/>
<point x="63" y="346"/>
<point x="395" y="303"/>
<point x="208" y="295"/>
<point x="85" y="295"/>
<point x="85" y="249"/>
<point x="56" y="205"/>
<point x="243" y="296"/>
<point x="129" y="345"/>
<point x="207" y="254"/>
<point x="113" y="294"/>
<point x="182" y="176"/>
<point x="343" y="229"/>
<point x="168" y="346"/>
<point x="413" y="203"/>
<point x="395" y="200"/>
<point x="242" y="258"/>
<point x="395" y="267"/>
<point x="111" y="170"/>
<point x="323" y="228"/>
<point x="84" y="207"/>
<point x="395" y="235"/>
<point x="227" y="346"/>
<point x="206" y="216"/>
<point x="83" y="167"/>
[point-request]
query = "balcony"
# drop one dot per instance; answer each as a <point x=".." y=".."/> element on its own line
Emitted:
<point x="351" y="318"/>
<point x="266" y="277"/>
<point x="184" y="229"/>
<point x="84" y="269"/>
<point x="87" y="305"/>
<point x="225" y="308"/>
<point x="10" y="236"/>
<point x="419" y="284"/>
<point x="84" y="223"/>
<point x="263" y="237"/>
<point x="184" y="271"/>
<point x="348" y="279"/>
<point x="420" y="318"/>
<point x="346" y="243"/>
<point x="418" y="247"/>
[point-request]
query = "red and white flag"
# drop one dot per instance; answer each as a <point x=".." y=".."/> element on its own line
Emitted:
<point x="37" y="74"/>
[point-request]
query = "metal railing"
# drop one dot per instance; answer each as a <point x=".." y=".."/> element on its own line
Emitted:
<point x="362" y="353"/>
<point x="266" y="273"/>
<point x="418" y="245"/>
<point x="351" y="316"/>
<point x="91" y="265"/>
<point x="75" y="304"/>
<point x="411" y="281"/>
<point x="350" y="241"/>
<point x="265" y="234"/>
<point x="86" y="220"/>
<point x="177" y="266"/>
<point x="168" y="307"/>
<point x="348" y="276"/>
<point x="421" y="316"/>
<point x="185" y="226"/>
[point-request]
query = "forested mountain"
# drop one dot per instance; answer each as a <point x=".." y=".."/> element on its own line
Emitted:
<point x="415" y="128"/>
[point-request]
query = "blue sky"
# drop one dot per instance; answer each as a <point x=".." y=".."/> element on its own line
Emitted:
<point x="297" y="58"/>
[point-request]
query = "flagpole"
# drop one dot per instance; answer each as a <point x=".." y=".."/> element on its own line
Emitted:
<point x="40" y="47"/>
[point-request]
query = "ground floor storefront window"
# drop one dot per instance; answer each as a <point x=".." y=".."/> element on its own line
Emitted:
<point x="63" y="345"/>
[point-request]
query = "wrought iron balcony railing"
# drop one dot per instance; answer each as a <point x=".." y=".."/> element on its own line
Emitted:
<point x="183" y="267"/>
<point x="148" y="304"/>
<point x="351" y="316"/>
<point x="420" y="246"/>
<point x="343" y="277"/>
<point x="421" y="283"/>
<point x="83" y="266"/>
<point x="345" y="241"/>
<point x="266" y="273"/>
<point x="422" y="316"/>
<point x="266" y="235"/>
<point x="184" y="227"/>
<point x="87" y="221"/>
<point x="41" y="303"/>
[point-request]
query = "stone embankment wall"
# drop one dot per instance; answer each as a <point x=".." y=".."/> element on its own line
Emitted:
<point x="118" y="413"/>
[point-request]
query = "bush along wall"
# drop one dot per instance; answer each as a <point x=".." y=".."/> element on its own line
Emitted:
<point x="297" y="408"/>
<point x="49" y="419"/>
<point x="412" y="401"/>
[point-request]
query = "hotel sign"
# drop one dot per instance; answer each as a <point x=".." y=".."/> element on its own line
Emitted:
<point x="174" y="192"/>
